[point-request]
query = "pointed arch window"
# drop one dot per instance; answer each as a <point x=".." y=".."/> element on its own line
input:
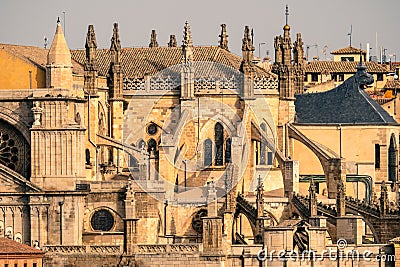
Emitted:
<point x="87" y="156"/>
<point x="152" y="146"/>
<point x="263" y="146"/>
<point x="228" y="151"/>
<point x="219" y="144"/>
<point x="207" y="152"/>
<point x="392" y="162"/>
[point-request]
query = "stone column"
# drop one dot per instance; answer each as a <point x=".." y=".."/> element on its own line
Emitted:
<point x="212" y="225"/>
<point x="350" y="228"/>
<point x="291" y="177"/>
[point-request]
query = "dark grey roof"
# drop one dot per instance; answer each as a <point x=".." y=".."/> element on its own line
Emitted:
<point x="346" y="104"/>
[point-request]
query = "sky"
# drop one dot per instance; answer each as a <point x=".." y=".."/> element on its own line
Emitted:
<point x="323" y="23"/>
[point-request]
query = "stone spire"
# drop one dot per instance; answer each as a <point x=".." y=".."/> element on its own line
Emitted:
<point x="247" y="65"/>
<point x="223" y="38"/>
<point x="114" y="78"/>
<point x="247" y="46"/>
<point x="91" y="66"/>
<point x="287" y="42"/>
<point x="187" y="44"/>
<point x="312" y="195"/>
<point x="172" y="41"/>
<point x="59" y="65"/>
<point x="115" y="45"/>
<point x="298" y="50"/>
<point x="153" y="39"/>
<point x="59" y="53"/>
<point x="91" y="45"/>
<point x="260" y="198"/>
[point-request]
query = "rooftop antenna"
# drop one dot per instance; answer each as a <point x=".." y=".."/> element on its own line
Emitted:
<point x="45" y="42"/>
<point x="65" y="31"/>
<point x="287" y="14"/>
<point x="350" y="33"/>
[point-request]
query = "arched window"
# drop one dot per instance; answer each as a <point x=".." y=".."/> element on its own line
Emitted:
<point x="219" y="144"/>
<point x="228" y="151"/>
<point x="207" y="152"/>
<point x="87" y="156"/>
<point x="152" y="146"/>
<point x="392" y="162"/>
<point x="263" y="145"/>
<point x="142" y="144"/>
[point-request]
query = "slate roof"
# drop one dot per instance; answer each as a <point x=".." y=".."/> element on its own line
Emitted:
<point x="345" y="104"/>
<point x="348" y="50"/>
<point x="8" y="246"/>
<point x="343" y="67"/>
<point x="140" y="62"/>
<point x="36" y="55"/>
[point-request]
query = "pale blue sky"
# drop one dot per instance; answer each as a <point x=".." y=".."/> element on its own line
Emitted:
<point x="321" y="22"/>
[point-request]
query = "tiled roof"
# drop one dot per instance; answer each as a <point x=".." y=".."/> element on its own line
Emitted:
<point x="140" y="62"/>
<point x="348" y="50"/>
<point x="8" y="246"/>
<point x="343" y="67"/>
<point x="395" y="84"/>
<point x="36" y="55"/>
<point x="345" y="104"/>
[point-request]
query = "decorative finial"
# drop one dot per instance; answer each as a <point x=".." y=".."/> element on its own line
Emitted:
<point x="287" y="15"/>
<point x="153" y="39"/>
<point x="115" y="42"/>
<point x="187" y="36"/>
<point x="58" y="20"/>
<point x="247" y="42"/>
<point x="187" y="45"/>
<point x="172" y="41"/>
<point x="223" y="38"/>
<point x="91" y="38"/>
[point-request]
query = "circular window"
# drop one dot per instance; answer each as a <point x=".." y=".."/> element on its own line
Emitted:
<point x="102" y="220"/>
<point x="197" y="222"/>
<point x="152" y="129"/>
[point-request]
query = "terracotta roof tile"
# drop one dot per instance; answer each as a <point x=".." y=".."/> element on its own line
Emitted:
<point x="343" y="67"/>
<point x="395" y="84"/>
<point x="8" y="246"/>
<point x="137" y="62"/>
<point x="36" y="55"/>
<point x="348" y="50"/>
<point x="140" y="62"/>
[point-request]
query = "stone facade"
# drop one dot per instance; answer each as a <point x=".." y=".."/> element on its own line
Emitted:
<point x="180" y="162"/>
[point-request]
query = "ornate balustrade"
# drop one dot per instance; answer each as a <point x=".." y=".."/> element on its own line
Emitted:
<point x="167" y="248"/>
<point x="112" y="249"/>
<point x="168" y="83"/>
